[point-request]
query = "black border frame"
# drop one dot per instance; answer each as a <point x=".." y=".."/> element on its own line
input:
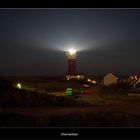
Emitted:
<point x="83" y="133"/>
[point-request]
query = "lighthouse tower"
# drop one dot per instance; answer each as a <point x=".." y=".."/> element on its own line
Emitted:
<point x="72" y="73"/>
<point x="71" y="55"/>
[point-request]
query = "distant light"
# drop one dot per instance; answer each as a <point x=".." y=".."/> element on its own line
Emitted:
<point x="94" y="82"/>
<point x="88" y="80"/>
<point x="72" y="51"/>
<point x="78" y="76"/>
<point x="18" y="85"/>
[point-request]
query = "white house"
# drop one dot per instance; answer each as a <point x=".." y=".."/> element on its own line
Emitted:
<point x="110" y="79"/>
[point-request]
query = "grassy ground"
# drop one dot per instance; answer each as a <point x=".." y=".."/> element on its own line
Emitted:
<point x="104" y="111"/>
<point x="97" y="107"/>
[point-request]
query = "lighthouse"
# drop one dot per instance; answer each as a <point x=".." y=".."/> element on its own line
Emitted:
<point x="71" y="55"/>
<point x="72" y="72"/>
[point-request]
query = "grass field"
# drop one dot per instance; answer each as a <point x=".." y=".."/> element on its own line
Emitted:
<point x="96" y="107"/>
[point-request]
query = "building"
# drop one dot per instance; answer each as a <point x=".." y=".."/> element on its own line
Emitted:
<point x="110" y="79"/>
<point x="134" y="81"/>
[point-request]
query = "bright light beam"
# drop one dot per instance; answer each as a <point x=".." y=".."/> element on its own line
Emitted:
<point x="72" y="51"/>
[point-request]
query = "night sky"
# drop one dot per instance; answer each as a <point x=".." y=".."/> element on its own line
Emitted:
<point x="34" y="41"/>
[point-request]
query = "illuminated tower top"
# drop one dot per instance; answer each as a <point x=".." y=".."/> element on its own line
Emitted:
<point x="71" y="54"/>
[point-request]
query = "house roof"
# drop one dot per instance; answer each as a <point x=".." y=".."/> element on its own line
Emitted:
<point x="111" y="74"/>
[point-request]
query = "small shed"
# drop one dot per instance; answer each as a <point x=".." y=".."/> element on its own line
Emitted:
<point x="110" y="79"/>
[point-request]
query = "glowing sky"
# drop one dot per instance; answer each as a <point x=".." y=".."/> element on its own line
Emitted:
<point x="34" y="41"/>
